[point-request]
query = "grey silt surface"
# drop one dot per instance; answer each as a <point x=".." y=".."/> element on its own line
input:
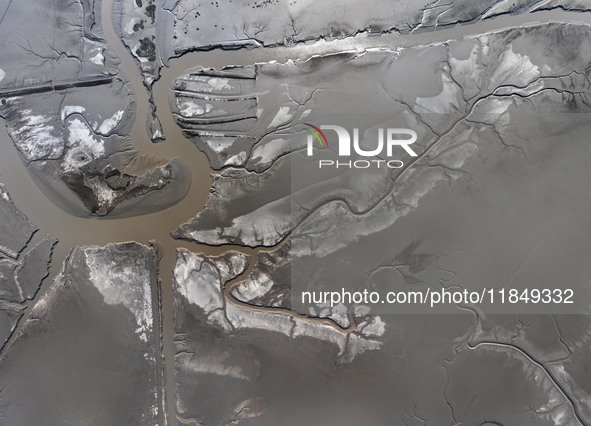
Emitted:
<point x="224" y="299"/>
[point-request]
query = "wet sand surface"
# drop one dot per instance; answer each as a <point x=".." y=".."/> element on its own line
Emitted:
<point x="72" y="231"/>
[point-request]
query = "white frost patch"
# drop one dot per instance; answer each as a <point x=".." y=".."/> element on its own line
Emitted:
<point x="254" y="319"/>
<point x="494" y="111"/>
<point x="268" y="151"/>
<point x="68" y="110"/>
<point x="514" y="68"/>
<point x="4" y="194"/>
<point x="562" y="416"/>
<point x="358" y="345"/>
<point x="498" y="106"/>
<point x="250" y="228"/>
<point x="255" y="286"/>
<point x="320" y="331"/>
<point x="375" y="327"/>
<point x="236" y="160"/>
<point x="35" y="139"/>
<point x="198" y="281"/>
<point x="190" y="109"/>
<point x="504" y="6"/>
<point x="123" y="279"/>
<point x="231" y="265"/>
<point x="2" y="74"/>
<point x="570" y="385"/>
<point x="243" y="318"/>
<point x="82" y="146"/>
<point x="200" y="83"/>
<point x="469" y="72"/>
<point x="131" y="24"/>
<point x="211" y="236"/>
<point x="219" y="84"/>
<point x="219" y="145"/>
<point x="104" y="194"/>
<point x="340" y="315"/>
<point x="134" y="50"/>
<point x="209" y="363"/>
<point x="361" y="310"/>
<point x="110" y="123"/>
<point x="283" y="116"/>
<point x="99" y="58"/>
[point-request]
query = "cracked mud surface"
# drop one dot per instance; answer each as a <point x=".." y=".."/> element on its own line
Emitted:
<point x="157" y="283"/>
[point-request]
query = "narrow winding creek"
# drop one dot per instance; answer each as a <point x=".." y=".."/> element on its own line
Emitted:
<point x="75" y="231"/>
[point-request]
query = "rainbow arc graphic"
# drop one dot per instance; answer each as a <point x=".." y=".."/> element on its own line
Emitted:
<point x="318" y="134"/>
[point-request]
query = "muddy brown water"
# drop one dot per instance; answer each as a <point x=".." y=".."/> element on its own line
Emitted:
<point x="74" y="231"/>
